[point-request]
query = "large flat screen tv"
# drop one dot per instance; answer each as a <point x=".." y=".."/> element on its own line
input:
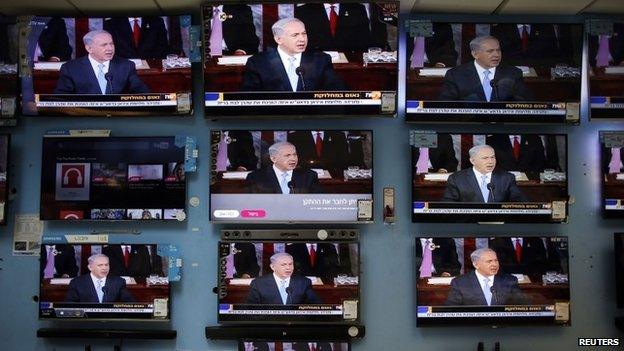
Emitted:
<point x="606" y="74"/>
<point x="104" y="281"/>
<point x="344" y="58"/>
<point x="533" y="71"/>
<point x="113" y="178"/>
<point x="291" y="176"/>
<point x="108" y="66"/>
<point x="8" y="69"/>
<point x="298" y="280"/>
<point x="527" y="280"/>
<point x="489" y="177"/>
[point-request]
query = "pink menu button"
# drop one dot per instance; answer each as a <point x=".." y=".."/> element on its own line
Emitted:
<point x="253" y="213"/>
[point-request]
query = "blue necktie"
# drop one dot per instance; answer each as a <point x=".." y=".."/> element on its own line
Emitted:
<point x="487" y="87"/>
<point x="486" y="291"/>
<point x="99" y="291"/>
<point x="292" y="73"/>
<point x="484" y="189"/>
<point x="101" y="78"/>
<point x="282" y="290"/>
<point x="284" y="183"/>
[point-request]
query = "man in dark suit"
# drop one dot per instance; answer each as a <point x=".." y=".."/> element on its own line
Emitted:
<point x="283" y="177"/>
<point x="133" y="260"/>
<point x="282" y="287"/>
<point x="321" y="149"/>
<point x="439" y="48"/>
<point x="443" y="257"/>
<point x="522" y="153"/>
<point x="98" y="285"/>
<point x="335" y="27"/>
<point x="53" y="43"/>
<point x="524" y="255"/>
<point x="440" y="159"/>
<point x="238" y="34"/>
<point x="138" y="37"/>
<point x="58" y="261"/>
<point x="316" y="260"/>
<point x="613" y="46"/>
<point x="245" y="261"/>
<point x="538" y="48"/>
<point x="290" y="67"/>
<point x="100" y="72"/>
<point x="484" y="79"/>
<point x="236" y="151"/>
<point x="482" y="182"/>
<point x="485" y="285"/>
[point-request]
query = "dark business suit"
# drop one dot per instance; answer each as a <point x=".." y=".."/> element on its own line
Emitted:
<point x="352" y="32"/>
<point x="263" y="290"/>
<point x="534" y="260"/>
<point x="264" y="181"/>
<point x="77" y="77"/>
<point x="240" y="150"/>
<point x="153" y="42"/>
<point x="334" y="154"/>
<point x="462" y="83"/>
<point x="542" y="46"/>
<point x="239" y="32"/>
<point x="466" y="290"/>
<point x="64" y="260"/>
<point x="265" y="71"/>
<point x="463" y="186"/>
<point x="442" y="156"/>
<point x="327" y="265"/>
<point x="440" y="47"/>
<point x="54" y="42"/>
<point x="379" y="27"/>
<point x="140" y="263"/>
<point x="531" y="157"/>
<point x="616" y="46"/>
<point x="245" y="260"/>
<point x="443" y="257"/>
<point x="81" y="289"/>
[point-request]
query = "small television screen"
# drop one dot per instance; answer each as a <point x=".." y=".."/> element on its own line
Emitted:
<point x="4" y="172"/>
<point x="606" y="68"/>
<point x="99" y="281"/>
<point x="492" y="281"/>
<point x="276" y="281"/>
<point x="611" y="143"/>
<point x="108" y="66"/>
<point x="619" y="268"/>
<point x="8" y="69"/>
<point x="298" y="59"/>
<point x="489" y="177"/>
<point x="113" y="178"/>
<point x="307" y="345"/>
<point x="493" y="72"/>
<point x="291" y="176"/>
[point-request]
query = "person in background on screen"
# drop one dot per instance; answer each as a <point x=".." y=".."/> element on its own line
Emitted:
<point x="518" y="152"/>
<point x="322" y="149"/>
<point x="138" y="37"/>
<point x="439" y="159"/>
<point x="53" y="44"/>
<point x="310" y="346"/>
<point x="607" y="49"/>
<point x="98" y="285"/>
<point x="178" y="172"/>
<point x="526" y="44"/>
<point x="58" y="261"/>
<point x="232" y="31"/>
<point x="437" y="257"/>
<point x="437" y="50"/>
<point x="133" y="260"/>
<point x="526" y="255"/>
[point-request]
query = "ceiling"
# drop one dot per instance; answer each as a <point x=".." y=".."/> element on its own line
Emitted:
<point x="92" y="7"/>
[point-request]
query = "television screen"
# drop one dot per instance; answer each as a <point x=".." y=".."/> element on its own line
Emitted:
<point x="291" y="176"/>
<point x="8" y="69"/>
<point x="611" y="142"/>
<point x="4" y="172"/>
<point x="492" y="281"/>
<point x="619" y="268"/>
<point x="278" y="281"/>
<point x="606" y="71"/>
<point x="113" y="178"/>
<point x="99" y="281"/>
<point x="268" y="59"/>
<point x="108" y="66"/>
<point x="493" y="72"/>
<point x="489" y="177"/>
<point x="257" y="345"/>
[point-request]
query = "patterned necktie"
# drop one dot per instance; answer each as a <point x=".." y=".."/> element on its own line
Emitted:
<point x="284" y="183"/>
<point x="484" y="189"/>
<point x="282" y="291"/>
<point x="486" y="291"/>
<point x="99" y="291"/>
<point x="216" y="34"/>
<point x="101" y="78"/>
<point x="418" y="55"/>
<point x="229" y="262"/>
<point x="602" y="58"/>
<point x="422" y="165"/>
<point x="292" y="73"/>
<point x="425" y="266"/>
<point x="615" y="165"/>
<point x="48" y="272"/>
<point x="222" y="154"/>
<point x="487" y="87"/>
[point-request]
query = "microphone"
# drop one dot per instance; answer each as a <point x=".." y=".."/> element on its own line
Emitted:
<point x="490" y="187"/>
<point x="300" y="72"/>
<point x="494" y="85"/>
<point x="494" y="297"/>
<point x="288" y="292"/>
<point x="291" y="185"/>
<point x="109" y="80"/>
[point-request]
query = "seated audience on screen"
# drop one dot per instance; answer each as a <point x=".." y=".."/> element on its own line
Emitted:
<point x="437" y="50"/>
<point x="482" y="183"/>
<point x="98" y="285"/>
<point x="485" y="286"/>
<point x="607" y="49"/>
<point x="524" y="44"/>
<point x="232" y="31"/>
<point x="53" y="43"/>
<point x="236" y="151"/>
<point x="133" y="260"/>
<point x="282" y="287"/>
<point x="318" y="260"/>
<point x="485" y="78"/>
<point x="59" y="261"/>
<point x="244" y="261"/>
<point x="521" y="153"/>
<point x="283" y="177"/>
<point x="437" y="257"/>
<point x="138" y="37"/>
<point x="99" y="72"/>
<point x="321" y="149"/>
<point x="529" y="255"/>
<point x="290" y="67"/>
<point x="310" y="346"/>
<point x="439" y="159"/>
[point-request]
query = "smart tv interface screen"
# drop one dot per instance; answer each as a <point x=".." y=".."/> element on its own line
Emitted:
<point x="291" y="176"/>
<point x="464" y="177"/>
<point x="466" y="71"/>
<point x="492" y="280"/>
<point x="344" y="59"/>
<point x="107" y="66"/>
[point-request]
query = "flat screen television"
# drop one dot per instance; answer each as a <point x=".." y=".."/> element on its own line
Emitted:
<point x="464" y="177"/>
<point x="291" y="176"/>
<point x="4" y="173"/>
<point x="306" y="345"/>
<point x="8" y="70"/>
<point x="263" y="279"/>
<point x="108" y="66"/>
<point x="104" y="282"/>
<point x="611" y="143"/>
<point x="527" y="280"/>
<point x="619" y="268"/>
<point x="113" y="178"/>
<point x="533" y="71"/>
<point x="345" y="59"/>
<point x="606" y="76"/>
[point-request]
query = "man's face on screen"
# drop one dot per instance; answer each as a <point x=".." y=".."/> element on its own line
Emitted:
<point x="489" y="54"/>
<point x="294" y="39"/>
<point x="484" y="161"/>
<point x="102" y="48"/>
<point x="283" y="267"/>
<point x="487" y="265"/>
<point x="99" y="267"/>
<point x="286" y="158"/>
